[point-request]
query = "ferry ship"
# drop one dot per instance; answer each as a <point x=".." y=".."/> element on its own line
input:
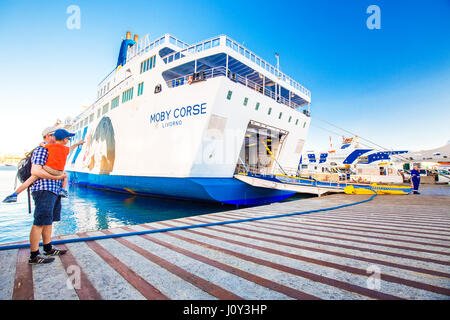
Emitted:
<point x="180" y="121"/>
<point x="348" y="156"/>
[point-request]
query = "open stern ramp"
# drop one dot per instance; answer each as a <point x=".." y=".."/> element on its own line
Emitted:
<point x="287" y="183"/>
<point x="311" y="186"/>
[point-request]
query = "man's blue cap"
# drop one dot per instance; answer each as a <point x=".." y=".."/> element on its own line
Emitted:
<point x="61" y="134"/>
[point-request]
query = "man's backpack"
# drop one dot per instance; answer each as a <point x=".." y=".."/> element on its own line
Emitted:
<point x="24" y="167"/>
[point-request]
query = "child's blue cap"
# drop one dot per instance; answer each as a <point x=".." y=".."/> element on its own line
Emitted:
<point x="61" y="134"/>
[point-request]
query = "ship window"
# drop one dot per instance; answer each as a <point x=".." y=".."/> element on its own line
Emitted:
<point x="115" y="103"/>
<point x="290" y="118"/>
<point x="98" y="113"/>
<point x="91" y="118"/>
<point x="177" y="56"/>
<point x="140" y="88"/>
<point x="215" y="42"/>
<point x="258" y="61"/>
<point x="127" y="95"/>
<point x="105" y="108"/>
<point x="148" y="64"/>
<point x="263" y="64"/>
<point x="241" y="50"/>
<point x="199" y="48"/>
<point x="235" y="47"/>
<point x="247" y="54"/>
<point x="252" y="57"/>
<point x="257" y="106"/>
<point x="270" y="111"/>
<point x="170" y="58"/>
<point x="304" y="124"/>
<point x="281" y="114"/>
<point x="245" y="101"/>
<point x="228" y="43"/>
<point x="296" y="122"/>
<point x="229" y="95"/>
<point x="207" y="45"/>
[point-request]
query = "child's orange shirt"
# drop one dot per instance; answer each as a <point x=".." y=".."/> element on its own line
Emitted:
<point x="57" y="156"/>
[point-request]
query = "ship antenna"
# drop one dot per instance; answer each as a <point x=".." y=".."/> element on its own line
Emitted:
<point x="278" y="73"/>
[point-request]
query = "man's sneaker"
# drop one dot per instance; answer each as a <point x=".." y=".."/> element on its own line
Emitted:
<point x="40" y="260"/>
<point x="55" y="252"/>
<point x="11" y="198"/>
<point x="64" y="193"/>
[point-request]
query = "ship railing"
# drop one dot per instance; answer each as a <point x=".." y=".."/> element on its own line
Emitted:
<point x="265" y="65"/>
<point x="244" y="52"/>
<point x="295" y="176"/>
<point x="144" y="45"/>
<point x="221" y="71"/>
<point x="196" y="77"/>
<point x="252" y="170"/>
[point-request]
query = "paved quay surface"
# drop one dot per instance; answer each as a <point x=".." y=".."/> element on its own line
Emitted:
<point x="394" y="247"/>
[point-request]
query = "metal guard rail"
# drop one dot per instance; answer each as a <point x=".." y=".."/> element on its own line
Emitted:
<point x="221" y="71"/>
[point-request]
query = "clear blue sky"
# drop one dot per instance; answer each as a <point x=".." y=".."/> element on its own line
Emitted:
<point x="390" y="85"/>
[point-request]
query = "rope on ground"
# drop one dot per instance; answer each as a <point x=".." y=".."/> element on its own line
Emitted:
<point x="137" y="233"/>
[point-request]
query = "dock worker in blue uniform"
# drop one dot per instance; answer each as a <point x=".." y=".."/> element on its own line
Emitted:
<point x="415" y="179"/>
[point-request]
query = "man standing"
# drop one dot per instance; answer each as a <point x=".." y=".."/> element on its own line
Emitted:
<point x="46" y="195"/>
<point x="415" y="179"/>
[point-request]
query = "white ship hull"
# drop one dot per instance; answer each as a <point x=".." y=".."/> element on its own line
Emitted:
<point x="185" y="141"/>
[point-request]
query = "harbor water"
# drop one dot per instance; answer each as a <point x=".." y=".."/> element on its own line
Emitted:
<point x="89" y="209"/>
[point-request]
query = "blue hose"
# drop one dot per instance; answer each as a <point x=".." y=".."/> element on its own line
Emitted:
<point x="137" y="233"/>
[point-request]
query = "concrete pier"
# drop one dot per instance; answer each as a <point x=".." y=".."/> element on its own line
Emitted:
<point x="393" y="247"/>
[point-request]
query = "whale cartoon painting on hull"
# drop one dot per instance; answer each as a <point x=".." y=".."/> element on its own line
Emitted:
<point x="100" y="151"/>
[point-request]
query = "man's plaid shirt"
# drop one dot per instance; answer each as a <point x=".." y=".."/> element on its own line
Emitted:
<point x="39" y="157"/>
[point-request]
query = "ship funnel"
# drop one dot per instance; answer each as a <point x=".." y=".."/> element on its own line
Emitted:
<point x="126" y="43"/>
<point x="135" y="38"/>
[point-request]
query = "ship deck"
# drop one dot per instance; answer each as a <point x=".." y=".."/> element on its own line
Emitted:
<point x="393" y="247"/>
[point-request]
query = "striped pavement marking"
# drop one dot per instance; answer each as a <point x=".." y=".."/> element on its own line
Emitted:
<point x="345" y="263"/>
<point x="146" y="289"/>
<point x="23" y="283"/>
<point x="286" y="251"/>
<point x="282" y="267"/>
<point x="333" y="255"/>
<point x="285" y="235"/>
<point x="386" y="244"/>
<point x="202" y="284"/>
<point x="249" y="284"/>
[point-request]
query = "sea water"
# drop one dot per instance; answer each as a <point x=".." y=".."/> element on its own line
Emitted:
<point x="89" y="209"/>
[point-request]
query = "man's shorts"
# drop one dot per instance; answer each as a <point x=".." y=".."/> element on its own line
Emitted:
<point x="47" y="208"/>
